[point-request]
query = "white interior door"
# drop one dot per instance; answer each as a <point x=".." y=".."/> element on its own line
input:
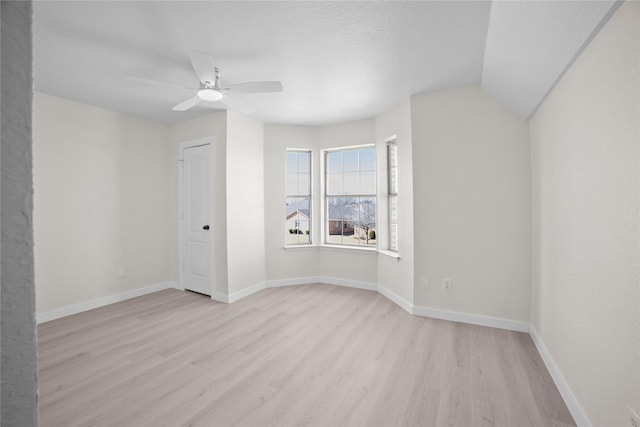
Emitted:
<point x="197" y="231"/>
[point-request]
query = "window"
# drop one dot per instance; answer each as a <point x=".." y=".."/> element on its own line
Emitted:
<point x="392" y="183"/>
<point x="298" y="198"/>
<point x="350" y="196"/>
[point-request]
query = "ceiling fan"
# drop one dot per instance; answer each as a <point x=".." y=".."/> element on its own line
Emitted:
<point x="210" y="88"/>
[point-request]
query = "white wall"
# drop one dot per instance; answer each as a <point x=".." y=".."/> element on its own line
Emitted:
<point x="245" y="202"/>
<point x="586" y="297"/>
<point x="472" y="204"/>
<point x="354" y="265"/>
<point x="394" y="274"/>
<point x="290" y="263"/>
<point x="100" y="202"/>
<point x="212" y="125"/>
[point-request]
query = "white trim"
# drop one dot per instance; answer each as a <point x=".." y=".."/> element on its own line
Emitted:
<point x="302" y="246"/>
<point x="389" y="253"/>
<point x="101" y="302"/>
<point x="406" y="305"/>
<point x="293" y="282"/>
<point x="220" y="297"/>
<point x="473" y="319"/>
<point x="326" y="280"/>
<point x="246" y="292"/>
<point x="579" y="416"/>
<point x="346" y="148"/>
<point x="349" y="248"/>
<point x="348" y="283"/>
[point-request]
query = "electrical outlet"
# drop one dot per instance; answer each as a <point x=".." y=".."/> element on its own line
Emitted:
<point x="122" y="271"/>
<point x="634" y="417"/>
<point x="424" y="282"/>
<point x="447" y="285"/>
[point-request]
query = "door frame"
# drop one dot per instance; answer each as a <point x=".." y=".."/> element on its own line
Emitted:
<point x="210" y="141"/>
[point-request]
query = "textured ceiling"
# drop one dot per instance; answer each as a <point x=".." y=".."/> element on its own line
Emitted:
<point x="338" y="61"/>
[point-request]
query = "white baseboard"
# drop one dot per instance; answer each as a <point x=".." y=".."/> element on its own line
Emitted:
<point x="246" y="292"/>
<point x="347" y="283"/>
<point x="579" y="416"/>
<point x="220" y="297"/>
<point x="293" y="282"/>
<point x="100" y="302"/>
<point x="406" y="305"/>
<point x="327" y="280"/>
<point x="474" y="319"/>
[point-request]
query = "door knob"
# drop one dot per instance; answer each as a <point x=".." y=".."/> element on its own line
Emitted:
<point x="206" y="227"/>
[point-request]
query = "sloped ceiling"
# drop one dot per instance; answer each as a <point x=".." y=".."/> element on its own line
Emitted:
<point x="338" y="61"/>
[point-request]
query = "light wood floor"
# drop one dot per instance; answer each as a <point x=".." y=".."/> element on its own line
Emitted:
<point x="316" y="355"/>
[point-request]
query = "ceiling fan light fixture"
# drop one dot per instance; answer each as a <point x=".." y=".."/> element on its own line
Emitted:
<point x="209" y="94"/>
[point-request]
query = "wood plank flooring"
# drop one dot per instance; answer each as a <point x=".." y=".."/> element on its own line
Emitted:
<point x="312" y="355"/>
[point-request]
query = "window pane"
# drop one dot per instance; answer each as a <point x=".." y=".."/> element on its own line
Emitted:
<point x="334" y="208"/>
<point x="334" y="161"/>
<point x="298" y="176"/>
<point x="304" y="162"/>
<point x="335" y="219"/>
<point x="367" y="211"/>
<point x="367" y="182"/>
<point x="334" y="183"/>
<point x="292" y="184"/>
<point x="298" y="209"/>
<point x="350" y="159"/>
<point x="368" y="159"/>
<point x="303" y="232"/>
<point x="304" y="184"/>
<point x="351" y="220"/>
<point x="292" y="162"/>
<point x="365" y="232"/>
<point x="297" y="220"/>
<point x="350" y="183"/>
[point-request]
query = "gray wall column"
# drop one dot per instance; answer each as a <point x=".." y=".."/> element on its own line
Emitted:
<point x="19" y="405"/>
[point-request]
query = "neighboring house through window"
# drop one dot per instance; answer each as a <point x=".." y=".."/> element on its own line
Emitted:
<point x="298" y="198"/>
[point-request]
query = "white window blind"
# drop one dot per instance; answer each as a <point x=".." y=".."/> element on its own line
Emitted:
<point x="392" y="173"/>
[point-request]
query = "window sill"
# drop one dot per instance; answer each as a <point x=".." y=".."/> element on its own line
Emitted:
<point x="390" y="254"/>
<point x="299" y="247"/>
<point x="345" y="248"/>
<point x="340" y="248"/>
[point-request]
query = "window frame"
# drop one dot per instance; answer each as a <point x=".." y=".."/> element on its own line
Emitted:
<point x="308" y="196"/>
<point x="326" y="196"/>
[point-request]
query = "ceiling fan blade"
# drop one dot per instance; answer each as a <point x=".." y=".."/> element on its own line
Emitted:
<point x="256" y="87"/>
<point x="236" y="105"/>
<point x="156" y="82"/>
<point x="189" y="103"/>
<point x="204" y="67"/>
